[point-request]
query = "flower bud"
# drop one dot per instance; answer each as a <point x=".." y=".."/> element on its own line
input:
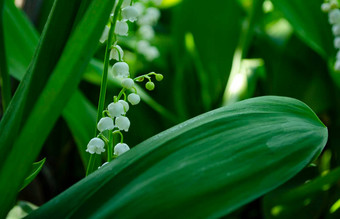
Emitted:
<point x="121" y="28"/>
<point x="159" y="77"/>
<point x="96" y="145"/>
<point x="117" y="51"/>
<point x="150" y="85"/>
<point x="115" y="109"/>
<point x="120" y="69"/>
<point x="125" y="105"/>
<point x="134" y="99"/>
<point x="105" y="123"/>
<point x="121" y="148"/>
<point x="128" y="83"/>
<point x="122" y="123"/>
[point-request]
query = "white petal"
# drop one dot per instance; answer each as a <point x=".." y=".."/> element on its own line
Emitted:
<point x="334" y="16"/>
<point x="95" y="145"/>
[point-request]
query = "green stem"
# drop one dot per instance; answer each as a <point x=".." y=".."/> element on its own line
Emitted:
<point x="6" y="83"/>
<point x="91" y="166"/>
<point x="109" y="147"/>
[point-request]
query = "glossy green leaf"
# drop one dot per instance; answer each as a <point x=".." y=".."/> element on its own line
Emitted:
<point x="309" y="22"/>
<point x="36" y="167"/>
<point x="304" y="201"/>
<point x="205" y="167"/>
<point x="63" y="81"/>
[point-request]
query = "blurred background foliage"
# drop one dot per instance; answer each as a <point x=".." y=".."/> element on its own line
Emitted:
<point x="213" y="53"/>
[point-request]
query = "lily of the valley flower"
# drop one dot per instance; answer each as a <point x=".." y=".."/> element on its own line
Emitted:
<point x="134" y="99"/>
<point x="125" y="105"/>
<point x="130" y="13"/>
<point x="122" y="123"/>
<point x="120" y="70"/>
<point x="116" y="109"/>
<point x="116" y="53"/>
<point x="122" y="28"/>
<point x="96" y="145"/>
<point x="105" y="123"/>
<point x="121" y="148"/>
<point x="128" y="83"/>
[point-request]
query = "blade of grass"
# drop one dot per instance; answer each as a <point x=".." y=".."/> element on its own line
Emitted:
<point x="5" y="79"/>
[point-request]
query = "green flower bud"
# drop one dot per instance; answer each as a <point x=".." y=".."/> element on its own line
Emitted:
<point x="150" y="85"/>
<point x="159" y="77"/>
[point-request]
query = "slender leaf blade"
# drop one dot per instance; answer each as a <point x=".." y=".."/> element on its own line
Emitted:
<point x="204" y="167"/>
<point x="36" y="167"/>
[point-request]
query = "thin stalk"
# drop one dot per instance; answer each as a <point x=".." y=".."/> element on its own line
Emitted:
<point x="91" y="166"/>
<point x="109" y="147"/>
<point x="6" y="83"/>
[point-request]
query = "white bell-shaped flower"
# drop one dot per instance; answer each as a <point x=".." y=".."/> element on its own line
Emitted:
<point x="105" y="34"/>
<point x="326" y="7"/>
<point x="120" y="70"/>
<point x="128" y="83"/>
<point x="142" y="46"/>
<point x="134" y="99"/>
<point x="334" y="16"/>
<point x="337" y="65"/>
<point x="130" y="13"/>
<point x="121" y="28"/>
<point x="139" y="7"/>
<point x="336" y="29"/>
<point x="146" y="32"/>
<point x="150" y="17"/>
<point x="125" y="105"/>
<point x="122" y="123"/>
<point x="116" y="109"/>
<point x="120" y="148"/>
<point x="337" y="42"/>
<point x="116" y="53"/>
<point x="151" y="53"/>
<point x="96" y="145"/>
<point x="338" y="55"/>
<point x="105" y="123"/>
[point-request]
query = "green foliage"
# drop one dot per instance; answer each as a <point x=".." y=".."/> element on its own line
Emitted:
<point x="198" y="167"/>
<point x="261" y="157"/>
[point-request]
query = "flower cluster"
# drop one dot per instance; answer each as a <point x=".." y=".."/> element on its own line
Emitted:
<point x="114" y="118"/>
<point x="148" y="17"/>
<point x="332" y="8"/>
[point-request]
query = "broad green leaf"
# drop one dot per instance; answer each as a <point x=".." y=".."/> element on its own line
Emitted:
<point x="309" y="22"/>
<point x="305" y="201"/>
<point x="205" y="167"/>
<point x="53" y="98"/>
<point x="35" y="170"/>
